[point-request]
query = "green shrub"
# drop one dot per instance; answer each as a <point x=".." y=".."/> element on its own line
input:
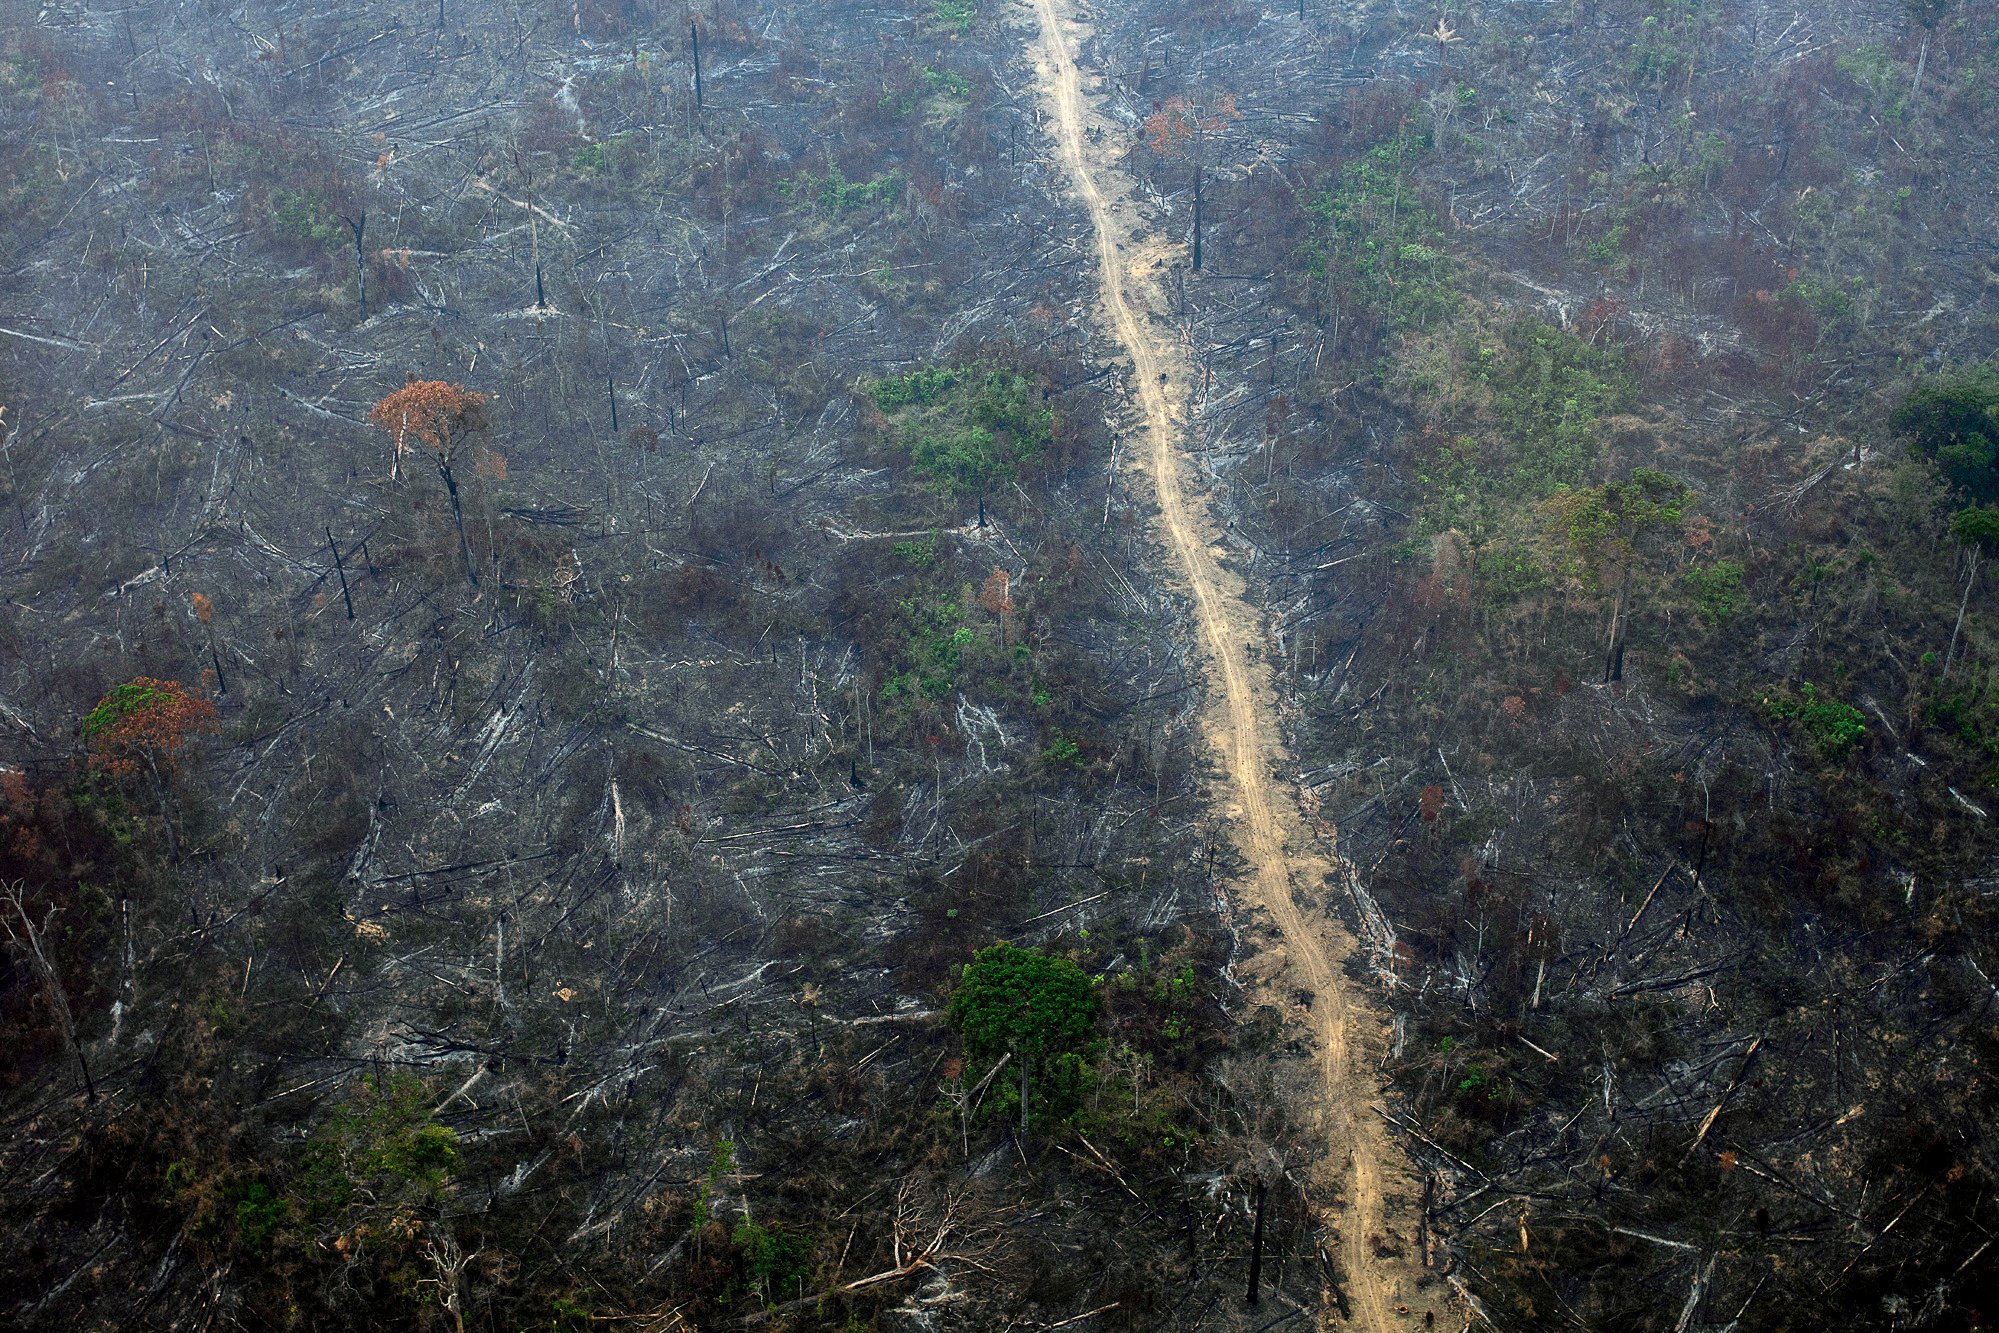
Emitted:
<point x="834" y="196"/>
<point x="1061" y="750"/>
<point x="1717" y="591"/>
<point x="306" y="219"/>
<point x="1834" y="727"/>
<point x="955" y="15"/>
<point x="1595" y="527"/>
<point x="964" y="427"/>
<point x="776" y="1261"/>
<point x="379" y="1151"/>
<point x="932" y="651"/>
<point x="1977" y="526"/>
<point x="1372" y="238"/>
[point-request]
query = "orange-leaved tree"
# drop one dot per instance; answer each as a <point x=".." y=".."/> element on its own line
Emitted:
<point x="145" y="722"/>
<point x="435" y="412"/>
<point x="441" y="415"/>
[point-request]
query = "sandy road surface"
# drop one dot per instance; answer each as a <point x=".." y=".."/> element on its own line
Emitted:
<point x="1362" y="1163"/>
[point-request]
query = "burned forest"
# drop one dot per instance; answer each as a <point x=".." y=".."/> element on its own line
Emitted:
<point x="999" y="665"/>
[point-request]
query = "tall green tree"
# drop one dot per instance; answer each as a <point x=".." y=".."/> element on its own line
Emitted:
<point x="1039" y="1011"/>
<point x="1953" y="419"/>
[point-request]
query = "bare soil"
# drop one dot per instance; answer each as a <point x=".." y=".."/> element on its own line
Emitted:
<point x="1384" y="1276"/>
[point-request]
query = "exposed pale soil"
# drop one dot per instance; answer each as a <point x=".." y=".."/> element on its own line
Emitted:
<point x="1361" y="1162"/>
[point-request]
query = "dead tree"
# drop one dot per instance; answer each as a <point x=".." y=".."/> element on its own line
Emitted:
<point x="358" y="226"/>
<point x="457" y="517"/>
<point x="27" y="937"/>
<point x="694" y="36"/>
<point x="1256" y="1247"/>
<point x="341" y="566"/>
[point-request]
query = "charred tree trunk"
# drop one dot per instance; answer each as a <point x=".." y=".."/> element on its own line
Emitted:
<point x="1958" y="628"/>
<point x="360" y="225"/>
<point x="1613" y="661"/>
<point x="694" y="34"/>
<point x="458" y="517"/>
<point x="1256" y="1248"/>
<point x="1197" y="217"/>
<point x="340" y="566"/>
<point x="28" y="939"/>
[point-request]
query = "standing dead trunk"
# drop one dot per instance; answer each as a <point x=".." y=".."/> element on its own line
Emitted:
<point x="1198" y="174"/>
<point x="360" y="225"/>
<point x="1964" y="602"/>
<point x="341" y="567"/>
<point x="27" y="937"/>
<point x="694" y="35"/>
<point x="1613" y="662"/>
<point x="458" y="517"/>
<point x="1256" y="1248"/>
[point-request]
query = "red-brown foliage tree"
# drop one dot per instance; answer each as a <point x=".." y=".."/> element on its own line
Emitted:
<point x="145" y="721"/>
<point x="438" y="413"/>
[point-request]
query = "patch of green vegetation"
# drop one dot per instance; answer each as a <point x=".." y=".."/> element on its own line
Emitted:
<point x="1976" y="525"/>
<point x="1538" y="397"/>
<point x="1717" y="590"/>
<point x="1040" y="1010"/>
<point x="720" y="1163"/>
<point x="1062" y="750"/>
<point x="1710" y="158"/>
<point x="955" y="15"/>
<point x="1968" y="717"/>
<point x="1550" y="391"/>
<point x="381" y="1150"/>
<point x="1595" y="527"/>
<point x="226" y="1208"/>
<point x="932" y="651"/>
<point x="832" y="195"/>
<point x="1829" y="301"/>
<point x="964" y="427"/>
<point x="1664" y="41"/>
<point x="1877" y="74"/>
<point x="128" y="700"/>
<point x="1609" y="247"/>
<point x="1953" y="420"/>
<point x="776" y="1262"/>
<point x="945" y="84"/>
<point x="1835" y="727"/>
<point x="1178" y="992"/>
<point x="1375" y="243"/>
<point x="259" y="1214"/>
<point x="605" y="156"/>
<point x="1509" y="570"/>
<point x="920" y="554"/>
<point x="306" y="218"/>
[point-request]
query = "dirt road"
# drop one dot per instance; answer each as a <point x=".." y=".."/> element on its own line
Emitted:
<point x="1361" y="1162"/>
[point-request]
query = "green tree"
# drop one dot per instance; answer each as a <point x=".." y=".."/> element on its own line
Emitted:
<point x="377" y="1169"/>
<point x="964" y="427"/>
<point x="1039" y="1011"/>
<point x="1976" y="526"/>
<point x="1953" y="419"/>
